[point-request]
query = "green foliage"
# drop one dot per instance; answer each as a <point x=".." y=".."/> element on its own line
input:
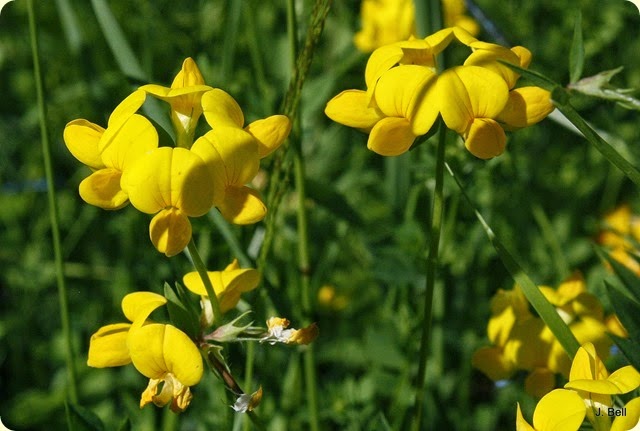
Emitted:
<point x="368" y="216"/>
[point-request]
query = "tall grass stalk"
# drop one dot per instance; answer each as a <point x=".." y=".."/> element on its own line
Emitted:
<point x="202" y="271"/>
<point x="437" y="208"/>
<point x="63" y="297"/>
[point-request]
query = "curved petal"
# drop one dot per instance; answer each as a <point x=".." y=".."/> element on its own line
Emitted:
<point x="135" y="137"/>
<point x="351" y="108"/>
<point x="108" y="346"/>
<point x="486" y="139"/>
<point x="521" y="423"/>
<point x="139" y="305"/>
<point x="220" y="109"/>
<point x="242" y="205"/>
<point x="231" y="155"/>
<point x="391" y="136"/>
<point x="620" y="381"/>
<point x="102" y="189"/>
<point x="270" y="133"/>
<point x="559" y="410"/>
<point x="402" y="90"/>
<point x="488" y="57"/>
<point x="523" y="54"/>
<point x="463" y="36"/>
<point x="169" y="177"/>
<point x="526" y="106"/>
<point x="467" y="92"/>
<point x="170" y="231"/>
<point x="81" y="138"/>
<point x="439" y="40"/>
<point x="126" y="108"/>
<point x="587" y="365"/>
<point x="632" y="418"/>
<point x="381" y="60"/>
<point x="188" y="76"/>
<point x="157" y="349"/>
<point x="493" y="363"/>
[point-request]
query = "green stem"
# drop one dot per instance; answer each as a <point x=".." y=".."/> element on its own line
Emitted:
<point x="432" y="264"/>
<point x="229" y="237"/>
<point x="202" y="271"/>
<point x="53" y="210"/>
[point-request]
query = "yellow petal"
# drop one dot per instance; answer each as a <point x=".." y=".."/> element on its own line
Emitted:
<point x="463" y="36"/>
<point x="169" y="177"/>
<point x="391" y="136"/>
<point x="242" y="205"/>
<point x="380" y="61"/>
<point x="220" y="109"/>
<point x="492" y="363"/>
<point x="485" y="139"/>
<point x="170" y="231"/>
<point x="126" y="109"/>
<point x="351" y="109"/>
<point x="231" y="155"/>
<point x="523" y="54"/>
<point x="139" y="305"/>
<point x="102" y="189"/>
<point x="270" y="133"/>
<point x="621" y="381"/>
<point x="157" y="349"/>
<point x="439" y="40"/>
<point x="587" y="365"/>
<point x="488" y="56"/>
<point x="559" y="410"/>
<point x="135" y="137"/>
<point x="188" y="76"/>
<point x="81" y="138"/>
<point x="526" y="106"/>
<point x="521" y="423"/>
<point x="402" y="90"/>
<point x="108" y="346"/>
<point x="468" y="92"/>
<point x="632" y="418"/>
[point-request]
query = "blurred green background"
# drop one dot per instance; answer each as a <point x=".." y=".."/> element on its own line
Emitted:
<point x="368" y="215"/>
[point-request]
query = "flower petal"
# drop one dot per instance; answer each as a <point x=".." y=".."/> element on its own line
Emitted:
<point x="126" y="109"/>
<point x="170" y="231"/>
<point x="242" y="205"/>
<point x="559" y="410"/>
<point x="402" y="90"/>
<point x="135" y="137"/>
<point x="139" y="305"/>
<point x="102" y="189"/>
<point x="220" y="109"/>
<point x="108" y="346"/>
<point x="631" y="420"/>
<point x="492" y="363"/>
<point x="391" y="136"/>
<point x="487" y="56"/>
<point x="521" y="423"/>
<point x="526" y="106"/>
<point x="485" y="139"/>
<point x="270" y="133"/>
<point x="351" y="108"/>
<point x="81" y="138"/>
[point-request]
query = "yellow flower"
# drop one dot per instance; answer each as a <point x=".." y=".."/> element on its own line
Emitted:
<point x="621" y="233"/>
<point x="278" y="331"/>
<point x="384" y="22"/>
<point x="228" y="285"/>
<point x="175" y="184"/>
<point x="108" y="152"/>
<point x="184" y="96"/>
<point x="454" y="16"/>
<point x="558" y="410"/>
<point x="592" y="381"/>
<point x="160" y="352"/>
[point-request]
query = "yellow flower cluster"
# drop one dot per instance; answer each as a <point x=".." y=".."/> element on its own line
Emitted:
<point x="405" y="95"/>
<point x="521" y="341"/>
<point x="388" y="21"/>
<point x="588" y="393"/>
<point x="176" y="183"/>
<point x="622" y="236"/>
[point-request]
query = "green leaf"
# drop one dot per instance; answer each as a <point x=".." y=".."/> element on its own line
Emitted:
<point x="85" y="419"/>
<point x="542" y="306"/>
<point x="181" y="313"/>
<point x="576" y="55"/>
<point x="630" y="349"/>
<point x="117" y="41"/>
<point x="627" y="310"/>
<point x="598" y="86"/>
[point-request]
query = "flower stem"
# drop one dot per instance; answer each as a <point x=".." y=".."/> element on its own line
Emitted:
<point x="432" y="263"/>
<point x="202" y="271"/>
<point x="53" y="211"/>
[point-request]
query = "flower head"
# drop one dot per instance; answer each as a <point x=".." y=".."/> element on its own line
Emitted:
<point x="558" y="410"/>
<point x="161" y="352"/>
<point x="278" y="331"/>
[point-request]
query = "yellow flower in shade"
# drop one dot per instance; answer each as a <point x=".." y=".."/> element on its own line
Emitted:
<point x="454" y="16"/>
<point x="559" y="410"/>
<point x="184" y="96"/>
<point x="108" y="152"/>
<point x="161" y="352"/>
<point x="384" y="22"/>
<point x="594" y="385"/>
<point x="470" y="98"/>
<point x="526" y="105"/>
<point x="228" y="284"/>
<point x="621" y="234"/>
<point x="175" y="184"/>
<point x="278" y="331"/>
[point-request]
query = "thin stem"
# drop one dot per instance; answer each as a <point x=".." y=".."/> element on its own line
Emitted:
<point x="53" y="210"/>
<point x="432" y="263"/>
<point x="202" y="271"/>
